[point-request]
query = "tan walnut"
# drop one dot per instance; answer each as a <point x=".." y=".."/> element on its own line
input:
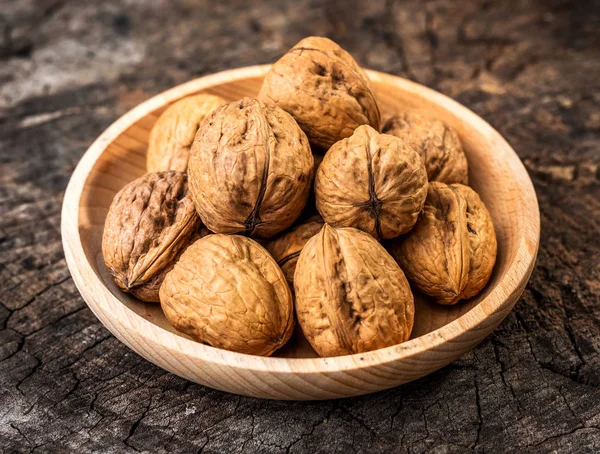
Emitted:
<point x="149" y="223"/>
<point x="324" y="89"/>
<point x="450" y="253"/>
<point x="373" y="182"/>
<point x="227" y="291"/>
<point x="310" y="210"/>
<point x="438" y="145"/>
<point x="285" y="247"/>
<point x="174" y="131"/>
<point x="250" y="169"/>
<point x="351" y="296"/>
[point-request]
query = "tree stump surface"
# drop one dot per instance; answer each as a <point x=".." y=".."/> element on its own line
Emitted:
<point x="70" y="68"/>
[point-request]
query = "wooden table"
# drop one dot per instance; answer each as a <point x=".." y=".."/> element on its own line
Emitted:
<point x="68" y="69"/>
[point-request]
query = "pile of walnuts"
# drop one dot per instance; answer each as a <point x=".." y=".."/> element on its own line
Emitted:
<point x="294" y="206"/>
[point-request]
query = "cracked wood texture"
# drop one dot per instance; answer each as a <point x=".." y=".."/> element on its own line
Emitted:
<point x="70" y="68"/>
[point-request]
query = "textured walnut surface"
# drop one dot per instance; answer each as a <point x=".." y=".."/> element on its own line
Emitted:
<point x="324" y="89"/>
<point x="373" y="182"/>
<point x="527" y="68"/>
<point x="286" y="247"/>
<point x="227" y="291"/>
<point x="150" y="221"/>
<point x="351" y="296"/>
<point x="438" y="145"/>
<point x="174" y="131"/>
<point x="250" y="170"/>
<point x="450" y="253"/>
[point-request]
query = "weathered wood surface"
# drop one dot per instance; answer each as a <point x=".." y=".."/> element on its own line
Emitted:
<point x="69" y="68"/>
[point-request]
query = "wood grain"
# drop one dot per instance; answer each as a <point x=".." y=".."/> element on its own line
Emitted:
<point x="69" y="69"/>
<point x="441" y="335"/>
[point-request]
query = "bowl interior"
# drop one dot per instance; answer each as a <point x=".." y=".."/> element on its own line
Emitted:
<point x="492" y="174"/>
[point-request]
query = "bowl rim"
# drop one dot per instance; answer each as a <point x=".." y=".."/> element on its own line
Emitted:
<point x="497" y="300"/>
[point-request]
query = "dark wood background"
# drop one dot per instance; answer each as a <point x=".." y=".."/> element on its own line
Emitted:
<point x="70" y="68"/>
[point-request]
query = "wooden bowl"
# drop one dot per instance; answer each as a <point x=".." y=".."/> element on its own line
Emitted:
<point x="441" y="334"/>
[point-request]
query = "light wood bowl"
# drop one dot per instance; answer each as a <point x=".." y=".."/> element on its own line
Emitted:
<point x="441" y="334"/>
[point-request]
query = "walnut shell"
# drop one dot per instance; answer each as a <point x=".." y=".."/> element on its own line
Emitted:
<point x="324" y="89"/>
<point x="450" y="253"/>
<point x="285" y="247"/>
<point x="318" y="160"/>
<point x="149" y="223"/>
<point x="250" y="169"/>
<point x="351" y="296"/>
<point x="373" y="182"/>
<point x="438" y="145"/>
<point x="227" y="291"/>
<point x="174" y="131"/>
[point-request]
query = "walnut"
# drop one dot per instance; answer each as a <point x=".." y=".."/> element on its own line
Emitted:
<point x="451" y="251"/>
<point x="373" y="182"/>
<point x="351" y="296"/>
<point x="285" y="247"/>
<point x="201" y="233"/>
<point x="227" y="291"/>
<point x="172" y="135"/>
<point x="324" y="89"/>
<point x="149" y="223"/>
<point x="310" y="209"/>
<point x="318" y="160"/>
<point x="250" y="169"/>
<point x="438" y="145"/>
